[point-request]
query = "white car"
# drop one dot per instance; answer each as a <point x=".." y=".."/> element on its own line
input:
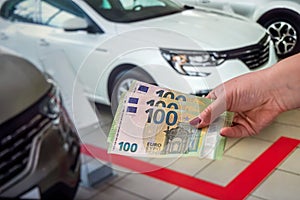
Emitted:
<point x="280" y="17"/>
<point x="112" y="42"/>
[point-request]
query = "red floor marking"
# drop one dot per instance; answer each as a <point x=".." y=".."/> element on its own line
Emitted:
<point x="238" y="188"/>
<point x="260" y="168"/>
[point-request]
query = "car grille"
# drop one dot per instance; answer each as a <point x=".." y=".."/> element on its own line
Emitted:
<point x="254" y="55"/>
<point x="16" y="138"/>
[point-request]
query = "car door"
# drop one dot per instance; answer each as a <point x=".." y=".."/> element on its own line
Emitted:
<point x="77" y="43"/>
<point x="7" y="31"/>
<point x="18" y="27"/>
<point x="62" y="29"/>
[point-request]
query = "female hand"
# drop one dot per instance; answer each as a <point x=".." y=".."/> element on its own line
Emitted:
<point x="256" y="98"/>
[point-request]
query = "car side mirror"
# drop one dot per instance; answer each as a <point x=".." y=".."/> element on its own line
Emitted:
<point x="75" y="24"/>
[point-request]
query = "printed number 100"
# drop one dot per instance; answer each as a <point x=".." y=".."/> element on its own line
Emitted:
<point x="126" y="146"/>
<point x="159" y="116"/>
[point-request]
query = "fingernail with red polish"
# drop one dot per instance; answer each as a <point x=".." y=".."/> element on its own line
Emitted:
<point x="195" y="121"/>
<point x="222" y="134"/>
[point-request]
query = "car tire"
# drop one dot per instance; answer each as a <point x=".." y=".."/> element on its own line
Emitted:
<point x="284" y="28"/>
<point x="122" y="83"/>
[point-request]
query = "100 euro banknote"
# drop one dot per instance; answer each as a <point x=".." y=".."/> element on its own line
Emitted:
<point x="153" y="126"/>
<point x="137" y="99"/>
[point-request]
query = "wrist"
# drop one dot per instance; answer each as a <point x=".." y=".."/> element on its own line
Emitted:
<point x="285" y="79"/>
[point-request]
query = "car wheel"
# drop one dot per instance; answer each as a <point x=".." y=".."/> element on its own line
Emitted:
<point x="284" y="28"/>
<point x="123" y="81"/>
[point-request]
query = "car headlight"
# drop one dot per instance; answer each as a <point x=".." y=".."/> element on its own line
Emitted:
<point x="190" y="62"/>
<point x="51" y="105"/>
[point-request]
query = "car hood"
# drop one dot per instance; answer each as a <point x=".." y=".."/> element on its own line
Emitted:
<point x="198" y="28"/>
<point x="21" y="85"/>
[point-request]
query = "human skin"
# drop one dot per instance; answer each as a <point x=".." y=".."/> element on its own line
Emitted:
<point x="256" y="98"/>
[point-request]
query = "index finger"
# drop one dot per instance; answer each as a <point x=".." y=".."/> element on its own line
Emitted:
<point x="214" y="110"/>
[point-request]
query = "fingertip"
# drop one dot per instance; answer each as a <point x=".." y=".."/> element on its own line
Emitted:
<point x="229" y="132"/>
<point x="211" y="95"/>
<point x="223" y="133"/>
<point x="233" y="132"/>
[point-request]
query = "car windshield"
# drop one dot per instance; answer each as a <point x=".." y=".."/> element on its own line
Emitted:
<point x="133" y="10"/>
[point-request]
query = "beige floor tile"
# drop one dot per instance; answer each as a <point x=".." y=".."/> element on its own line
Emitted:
<point x="190" y="165"/>
<point x="291" y="117"/>
<point x="121" y="170"/>
<point x="186" y="194"/>
<point x="88" y="192"/>
<point x="146" y="186"/>
<point x="279" y="185"/>
<point x="113" y="193"/>
<point x="119" y="173"/>
<point x="248" y="148"/>
<point x="292" y="163"/>
<point x="231" y="142"/>
<point x="222" y="171"/>
<point x="277" y="130"/>
<point x="84" y="193"/>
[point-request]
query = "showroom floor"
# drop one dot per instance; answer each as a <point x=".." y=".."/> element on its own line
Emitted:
<point x="265" y="166"/>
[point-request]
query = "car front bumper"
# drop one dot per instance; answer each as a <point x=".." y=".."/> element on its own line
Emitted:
<point x="54" y="158"/>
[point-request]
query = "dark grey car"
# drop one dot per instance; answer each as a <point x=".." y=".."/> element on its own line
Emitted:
<point x="39" y="147"/>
